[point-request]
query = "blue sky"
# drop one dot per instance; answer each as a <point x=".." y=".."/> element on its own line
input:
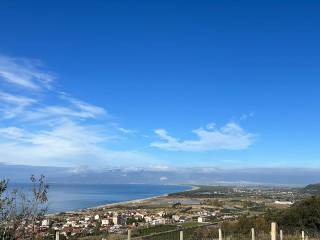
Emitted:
<point x="160" y="84"/>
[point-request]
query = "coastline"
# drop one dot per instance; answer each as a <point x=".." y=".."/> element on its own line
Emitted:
<point x="123" y="203"/>
<point x="140" y="200"/>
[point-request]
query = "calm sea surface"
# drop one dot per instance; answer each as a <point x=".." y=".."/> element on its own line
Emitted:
<point x="67" y="197"/>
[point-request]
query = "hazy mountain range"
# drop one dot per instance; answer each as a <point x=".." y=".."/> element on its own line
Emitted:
<point x="265" y="176"/>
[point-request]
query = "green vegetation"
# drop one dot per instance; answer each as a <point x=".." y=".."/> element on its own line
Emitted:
<point x="206" y="192"/>
<point x="191" y="224"/>
<point x="213" y="202"/>
<point x="190" y="231"/>
<point x="176" y="205"/>
<point x="312" y="189"/>
<point x="19" y="212"/>
<point x="304" y="214"/>
<point x="152" y="230"/>
<point x="244" y="225"/>
<point x="132" y="220"/>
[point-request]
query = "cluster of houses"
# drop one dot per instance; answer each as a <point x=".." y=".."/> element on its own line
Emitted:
<point x="97" y="222"/>
<point x="86" y="224"/>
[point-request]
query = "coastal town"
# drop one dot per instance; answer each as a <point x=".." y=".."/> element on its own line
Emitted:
<point x="159" y="120"/>
<point x="205" y="205"/>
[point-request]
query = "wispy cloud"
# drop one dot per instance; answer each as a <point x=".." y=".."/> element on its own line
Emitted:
<point x="68" y="143"/>
<point x="246" y="116"/>
<point x="126" y="131"/>
<point x="13" y="105"/>
<point x="11" y="133"/>
<point x="24" y="73"/>
<point x="229" y="137"/>
<point x="42" y="125"/>
<point x="53" y="128"/>
<point x="88" y="110"/>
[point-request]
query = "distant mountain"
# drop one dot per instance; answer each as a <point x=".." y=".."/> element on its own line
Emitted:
<point x="204" y="176"/>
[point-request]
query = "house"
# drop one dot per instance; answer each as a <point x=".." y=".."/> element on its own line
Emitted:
<point x="176" y="218"/>
<point x="148" y="219"/>
<point x="155" y="222"/>
<point x="119" y="220"/>
<point x="202" y="219"/>
<point x="161" y="213"/>
<point x="105" y="222"/>
<point x="45" y="223"/>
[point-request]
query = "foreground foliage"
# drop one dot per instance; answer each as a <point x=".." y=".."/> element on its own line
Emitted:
<point x="303" y="215"/>
<point x="19" y="211"/>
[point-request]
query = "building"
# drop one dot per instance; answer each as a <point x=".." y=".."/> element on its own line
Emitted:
<point x="161" y="213"/>
<point x="283" y="202"/>
<point x="119" y="220"/>
<point x="105" y="222"/>
<point x="45" y="223"/>
<point x="148" y="219"/>
<point x="176" y="217"/>
<point x="202" y="219"/>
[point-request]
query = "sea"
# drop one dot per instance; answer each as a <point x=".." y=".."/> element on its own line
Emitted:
<point x="70" y="197"/>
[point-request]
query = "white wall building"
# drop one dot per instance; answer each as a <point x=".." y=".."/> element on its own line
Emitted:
<point x="283" y="202"/>
<point x="176" y="217"/>
<point x="105" y="222"/>
<point x="45" y="223"/>
<point x="202" y="219"/>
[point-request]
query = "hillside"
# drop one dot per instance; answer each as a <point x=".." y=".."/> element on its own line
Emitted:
<point x="304" y="214"/>
<point x="312" y="188"/>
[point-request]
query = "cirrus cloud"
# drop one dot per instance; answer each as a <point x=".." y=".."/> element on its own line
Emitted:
<point x="229" y="137"/>
<point x="40" y="125"/>
<point x="24" y="73"/>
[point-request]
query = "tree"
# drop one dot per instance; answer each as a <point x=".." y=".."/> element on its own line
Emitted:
<point x="19" y="211"/>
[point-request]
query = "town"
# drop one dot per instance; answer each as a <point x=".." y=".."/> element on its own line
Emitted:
<point x="202" y="206"/>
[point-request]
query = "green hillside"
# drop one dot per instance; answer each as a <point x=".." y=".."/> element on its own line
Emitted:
<point x="312" y="189"/>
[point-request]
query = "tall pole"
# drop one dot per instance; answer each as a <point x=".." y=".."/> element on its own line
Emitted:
<point x="57" y="235"/>
<point x="302" y="235"/>
<point x="273" y="231"/>
<point x="129" y="234"/>
<point x="220" y="234"/>
<point x="181" y="235"/>
<point x="252" y="234"/>
<point x="281" y="234"/>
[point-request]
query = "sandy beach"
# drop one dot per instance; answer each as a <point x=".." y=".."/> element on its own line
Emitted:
<point x="136" y="201"/>
<point x="123" y="203"/>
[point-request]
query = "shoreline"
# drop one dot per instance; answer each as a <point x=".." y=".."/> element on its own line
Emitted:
<point x="110" y="205"/>
<point x="140" y="200"/>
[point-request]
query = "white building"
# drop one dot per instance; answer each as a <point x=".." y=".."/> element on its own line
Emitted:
<point x="202" y="219"/>
<point x="175" y="217"/>
<point x="161" y="213"/>
<point x="96" y="217"/>
<point x="70" y="222"/>
<point x="115" y="220"/>
<point x="155" y="222"/>
<point x="45" y="223"/>
<point x="119" y="220"/>
<point x="283" y="202"/>
<point x="148" y="219"/>
<point x="105" y="222"/>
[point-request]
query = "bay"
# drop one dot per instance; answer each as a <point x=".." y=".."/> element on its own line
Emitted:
<point x="70" y="197"/>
